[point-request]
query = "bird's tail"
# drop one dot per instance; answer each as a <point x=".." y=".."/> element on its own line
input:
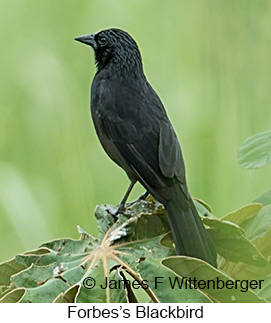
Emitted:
<point x="190" y="236"/>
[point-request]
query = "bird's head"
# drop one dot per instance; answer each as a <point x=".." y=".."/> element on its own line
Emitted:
<point x="113" y="45"/>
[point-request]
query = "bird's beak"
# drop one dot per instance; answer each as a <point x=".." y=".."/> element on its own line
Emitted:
<point x="87" y="39"/>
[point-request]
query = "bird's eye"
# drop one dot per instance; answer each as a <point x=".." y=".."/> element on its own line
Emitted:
<point x="102" y="40"/>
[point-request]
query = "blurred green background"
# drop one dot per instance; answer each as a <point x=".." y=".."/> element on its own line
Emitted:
<point x="208" y="60"/>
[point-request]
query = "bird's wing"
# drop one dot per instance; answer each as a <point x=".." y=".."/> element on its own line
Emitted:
<point x="143" y="136"/>
<point x="170" y="156"/>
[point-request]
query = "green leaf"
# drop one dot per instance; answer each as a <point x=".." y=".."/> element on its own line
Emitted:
<point x="265" y="291"/>
<point x="70" y="246"/>
<point x="263" y="244"/>
<point x="129" y="247"/>
<point x="191" y="268"/>
<point x="206" y="206"/>
<point x="239" y="270"/>
<point x="232" y="244"/>
<point x="257" y="225"/>
<point x="243" y="213"/>
<point x="45" y="293"/>
<point x="56" y="271"/>
<point x="154" y="272"/>
<point x="104" y="218"/>
<point x="7" y="269"/>
<point x="99" y="294"/>
<point x="167" y="241"/>
<point x="255" y="152"/>
<point x="69" y="296"/>
<point x="14" y="296"/>
<point x="34" y="276"/>
<point x="264" y="198"/>
<point x="203" y="208"/>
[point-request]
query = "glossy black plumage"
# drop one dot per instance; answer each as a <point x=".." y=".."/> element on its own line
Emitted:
<point x="134" y="130"/>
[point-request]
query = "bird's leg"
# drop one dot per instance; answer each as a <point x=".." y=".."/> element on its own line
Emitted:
<point x="121" y="206"/>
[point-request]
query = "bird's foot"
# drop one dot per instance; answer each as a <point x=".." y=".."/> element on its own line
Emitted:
<point x="116" y="210"/>
<point x="123" y="206"/>
<point x="140" y="198"/>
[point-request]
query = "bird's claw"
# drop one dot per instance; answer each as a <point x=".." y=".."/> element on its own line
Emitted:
<point x="116" y="211"/>
<point x="140" y="198"/>
<point x="123" y="206"/>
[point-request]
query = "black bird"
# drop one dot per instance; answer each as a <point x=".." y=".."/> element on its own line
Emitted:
<point x="134" y="130"/>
